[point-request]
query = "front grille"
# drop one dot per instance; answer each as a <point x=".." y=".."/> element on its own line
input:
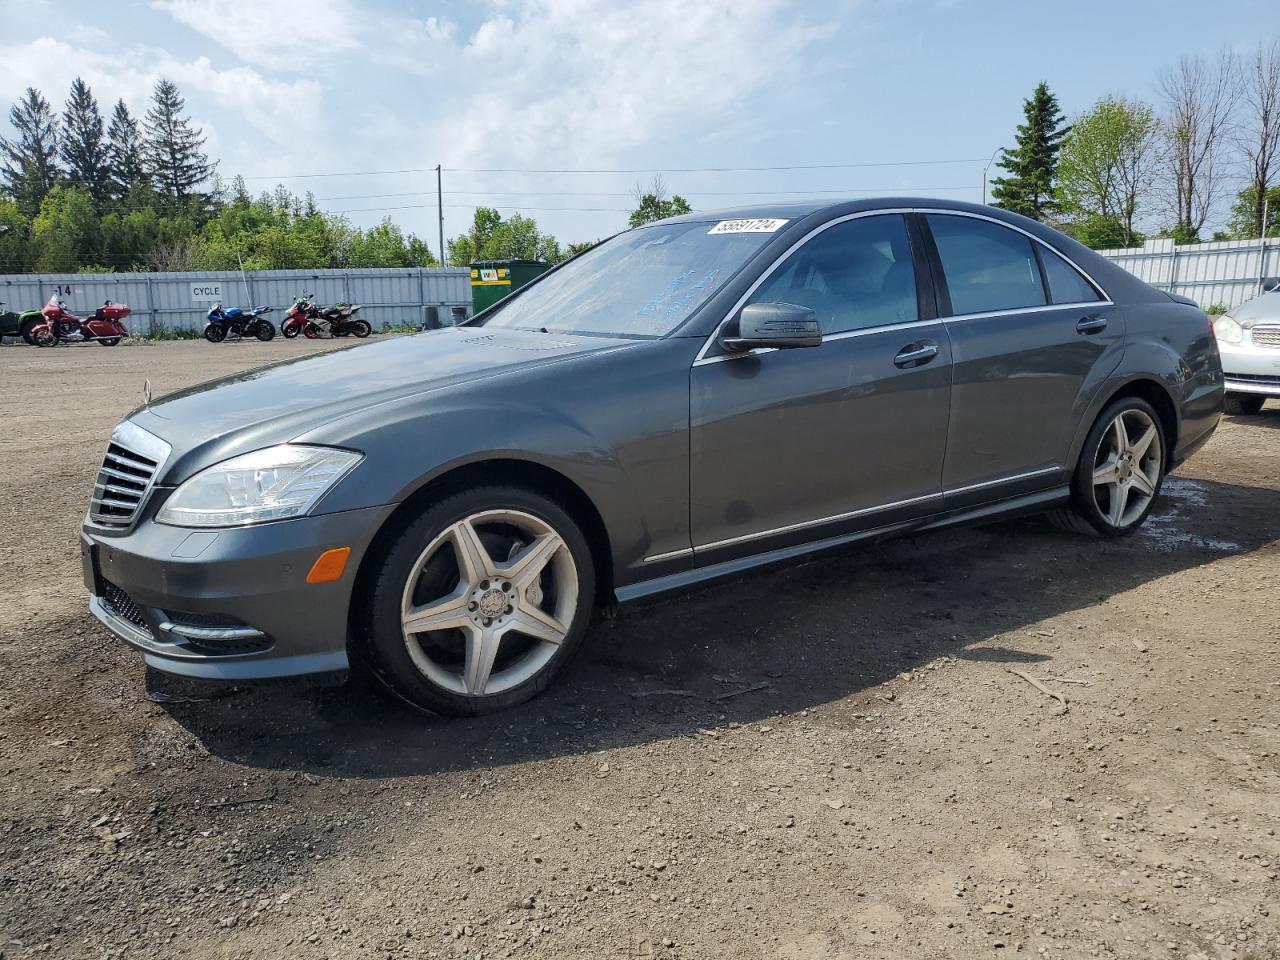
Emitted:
<point x="1268" y="336"/>
<point x="124" y="479"/>
<point x="1263" y="380"/>
<point x="121" y="605"/>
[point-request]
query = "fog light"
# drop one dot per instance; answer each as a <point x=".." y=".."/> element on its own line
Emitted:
<point x="329" y="565"/>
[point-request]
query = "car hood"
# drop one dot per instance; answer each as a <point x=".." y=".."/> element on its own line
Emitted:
<point x="280" y="401"/>
<point x="1258" y="310"/>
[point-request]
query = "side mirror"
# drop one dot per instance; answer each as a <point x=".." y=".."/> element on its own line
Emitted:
<point x="1270" y="284"/>
<point x="778" y="325"/>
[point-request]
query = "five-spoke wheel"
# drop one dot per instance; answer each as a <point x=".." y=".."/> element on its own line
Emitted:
<point x="490" y="591"/>
<point x="1119" y="473"/>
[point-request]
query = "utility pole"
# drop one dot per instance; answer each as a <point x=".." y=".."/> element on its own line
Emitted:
<point x="440" y="211"/>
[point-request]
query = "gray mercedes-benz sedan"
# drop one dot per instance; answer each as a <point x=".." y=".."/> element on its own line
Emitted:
<point x="683" y="401"/>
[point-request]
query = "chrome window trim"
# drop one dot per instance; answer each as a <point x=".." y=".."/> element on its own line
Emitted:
<point x="702" y="357"/>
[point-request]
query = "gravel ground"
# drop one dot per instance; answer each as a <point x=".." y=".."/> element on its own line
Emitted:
<point x="831" y="761"/>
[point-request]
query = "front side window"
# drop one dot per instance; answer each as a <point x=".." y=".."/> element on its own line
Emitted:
<point x="1065" y="283"/>
<point x="854" y="275"/>
<point x="987" y="267"/>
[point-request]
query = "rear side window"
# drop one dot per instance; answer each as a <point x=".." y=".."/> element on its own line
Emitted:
<point x="1065" y="283"/>
<point x="987" y="267"/>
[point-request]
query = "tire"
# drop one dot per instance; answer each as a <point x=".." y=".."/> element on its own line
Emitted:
<point x="25" y="332"/>
<point x="360" y="328"/>
<point x="290" y="331"/>
<point x="44" y="338"/>
<point x="1244" y="404"/>
<point x="444" y="669"/>
<point x="265" y="331"/>
<point x="215" y="332"/>
<point x="1119" y="475"/>
<point x="109" y="341"/>
<point x="311" y="331"/>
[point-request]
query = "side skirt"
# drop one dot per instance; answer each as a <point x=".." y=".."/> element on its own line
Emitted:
<point x="1000" y="509"/>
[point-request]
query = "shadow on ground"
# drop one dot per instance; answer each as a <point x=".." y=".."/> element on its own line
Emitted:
<point x="771" y="643"/>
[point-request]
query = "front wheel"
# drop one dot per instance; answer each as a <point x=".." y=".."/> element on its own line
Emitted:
<point x="1244" y="404"/>
<point x="265" y="331"/>
<point x="215" y="333"/>
<point x="290" y="330"/>
<point x="44" y="338"/>
<point x="360" y="328"/>
<point x="1120" y="471"/>
<point x="109" y="341"/>
<point x="481" y="602"/>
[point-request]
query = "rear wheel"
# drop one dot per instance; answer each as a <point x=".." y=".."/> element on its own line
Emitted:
<point x="1244" y="404"/>
<point x="265" y="330"/>
<point x="360" y="328"/>
<point x="1120" y="472"/>
<point x="26" y="334"/>
<point x="109" y="341"/>
<point x="311" y="331"/>
<point x="481" y="601"/>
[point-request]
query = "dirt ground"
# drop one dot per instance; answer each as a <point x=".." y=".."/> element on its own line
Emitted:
<point x="831" y="761"/>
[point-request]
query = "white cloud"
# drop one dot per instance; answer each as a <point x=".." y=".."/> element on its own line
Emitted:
<point x="269" y="30"/>
<point x="546" y="82"/>
<point x="276" y="108"/>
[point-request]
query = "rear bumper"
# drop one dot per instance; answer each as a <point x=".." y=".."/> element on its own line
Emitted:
<point x="229" y="604"/>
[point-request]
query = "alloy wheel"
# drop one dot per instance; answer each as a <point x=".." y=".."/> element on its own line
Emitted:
<point x="1126" y="470"/>
<point x="489" y="602"/>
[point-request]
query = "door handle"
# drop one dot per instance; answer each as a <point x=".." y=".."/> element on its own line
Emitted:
<point x="916" y="354"/>
<point x="1093" y="323"/>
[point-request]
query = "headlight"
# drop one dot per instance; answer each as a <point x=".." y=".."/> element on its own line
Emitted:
<point x="1224" y="328"/>
<point x="271" y="484"/>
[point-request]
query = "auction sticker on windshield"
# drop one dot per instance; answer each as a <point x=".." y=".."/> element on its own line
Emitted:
<point x="755" y="225"/>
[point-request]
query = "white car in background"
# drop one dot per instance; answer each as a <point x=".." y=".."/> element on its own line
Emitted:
<point x="1249" y="341"/>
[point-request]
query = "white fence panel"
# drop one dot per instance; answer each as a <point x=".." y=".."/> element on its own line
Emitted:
<point x="390" y="296"/>
<point x="1225" y="272"/>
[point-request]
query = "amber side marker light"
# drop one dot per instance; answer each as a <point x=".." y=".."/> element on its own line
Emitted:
<point x="329" y="565"/>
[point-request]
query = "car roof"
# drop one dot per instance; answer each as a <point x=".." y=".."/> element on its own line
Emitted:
<point x="798" y="209"/>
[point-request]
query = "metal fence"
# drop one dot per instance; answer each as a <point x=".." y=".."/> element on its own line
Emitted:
<point x="179" y="301"/>
<point x="1227" y="272"/>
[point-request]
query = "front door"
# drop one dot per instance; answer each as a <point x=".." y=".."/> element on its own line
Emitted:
<point x="799" y="444"/>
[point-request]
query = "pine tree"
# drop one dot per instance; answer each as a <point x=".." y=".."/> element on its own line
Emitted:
<point x="30" y="166"/>
<point x="172" y="148"/>
<point x="1033" y="162"/>
<point x="124" y="153"/>
<point x="83" y="149"/>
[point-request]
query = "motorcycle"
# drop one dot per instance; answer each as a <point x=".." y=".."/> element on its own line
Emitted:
<point x="9" y="323"/>
<point x="238" y="322"/>
<point x="308" y="319"/>
<point x="62" y="326"/>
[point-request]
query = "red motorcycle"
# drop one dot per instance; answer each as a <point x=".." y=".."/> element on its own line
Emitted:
<point x="62" y="326"/>
<point x="308" y="319"/>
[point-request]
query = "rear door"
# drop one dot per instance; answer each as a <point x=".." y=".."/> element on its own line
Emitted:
<point x="1031" y="339"/>
<point x="793" y="445"/>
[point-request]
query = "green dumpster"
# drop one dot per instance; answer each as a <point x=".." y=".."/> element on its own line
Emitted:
<point x="491" y="280"/>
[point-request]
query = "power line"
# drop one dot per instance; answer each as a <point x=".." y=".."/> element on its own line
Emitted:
<point x="626" y="170"/>
<point x="691" y="193"/>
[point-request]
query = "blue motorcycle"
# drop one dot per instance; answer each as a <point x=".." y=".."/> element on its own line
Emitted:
<point x="238" y="322"/>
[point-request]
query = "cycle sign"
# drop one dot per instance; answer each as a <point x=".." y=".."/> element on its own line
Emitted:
<point x="206" y="292"/>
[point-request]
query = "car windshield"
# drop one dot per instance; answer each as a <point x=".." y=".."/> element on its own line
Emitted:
<point x="642" y="283"/>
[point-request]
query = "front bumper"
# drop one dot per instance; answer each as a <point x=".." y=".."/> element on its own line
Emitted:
<point x="1250" y="368"/>
<point x="230" y="604"/>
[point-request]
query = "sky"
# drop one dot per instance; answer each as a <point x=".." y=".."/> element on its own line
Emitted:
<point x="882" y="96"/>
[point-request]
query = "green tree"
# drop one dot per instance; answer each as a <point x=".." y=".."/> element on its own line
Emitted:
<point x="1104" y="232"/>
<point x="172" y="148"/>
<point x="30" y="166"/>
<point x="1247" y="213"/>
<point x="492" y="238"/>
<point x="15" y="239"/>
<point x="83" y="149"/>
<point x="1109" y="164"/>
<point x="125" y="165"/>
<point x="577" y="247"/>
<point x="652" y="203"/>
<point x="385" y="245"/>
<point x="1033" y="161"/>
<point x="66" y="232"/>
